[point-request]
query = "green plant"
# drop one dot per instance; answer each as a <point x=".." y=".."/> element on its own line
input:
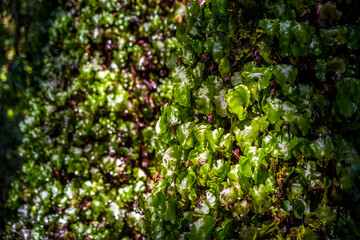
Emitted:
<point x="88" y="136"/>
<point x="262" y="145"/>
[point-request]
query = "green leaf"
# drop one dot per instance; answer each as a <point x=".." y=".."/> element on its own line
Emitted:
<point x="309" y="174"/>
<point x="185" y="134"/>
<point x="202" y="228"/>
<point x="214" y="136"/>
<point x="172" y="115"/>
<point x="200" y="155"/>
<point x="287" y="205"/>
<point x="225" y="144"/>
<point x="323" y="148"/>
<point x="283" y="11"/>
<point x="256" y="79"/>
<point x="237" y="79"/>
<point x="321" y="65"/>
<point x="220" y="103"/>
<point x="259" y="74"/>
<point x="328" y="11"/>
<point x="271" y="27"/>
<point x="218" y="46"/>
<point x="238" y="99"/>
<point x="245" y="167"/>
<point x="347" y="180"/>
<point x="221" y="168"/>
<point x="198" y="46"/>
<point x="209" y="26"/>
<point x="296" y="191"/>
<point x="301" y="95"/>
<point x="186" y="220"/>
<point x="316" y="46"/>
<point x="260" y="199"/>
<point x="353" y="37"/>
<point x="198" y="73"/>
<point x="162" y="130"/>
<point x="348" y="95"/>
<point x="277" y="110"/>
<point x="346" y="107"/>
<point x="233" y="173"/>
<point x="300" y="146"/>
<point x="302" y="6"/>
<point x="251" y="166"/>
<point x="200" y="132"/>
<point x="193" y="10"/>
<point x="303" y="34"/>
<point x="224" y="66"/>
<point x="278" y="144"/>
<point x="303" y="122"/>
<point x="225" y="231"/>
<point x="219" y="7"/>
<point x="168" y="210"/>
<point x="249" y="5"/>
<point x="285" y="75"/>
<point x="179" y="75"/>
<point x="182" y="94"/>
<point x="336" y="65"/>
<point x="203" y="102"/>
<point x="228" y="196"/>
<point x="285" y="36"/>
<point x="326" y="215"/>
<point x="185" y="185"/>
<point x="265" y="52"/>
<point x="248" y="135"/>
<point x="187" y="54"/>
<point x="211" y="198"/>
<point x="171" y="160"/>
<point x="61" y="98"/>
<point x="181" y="34"/>
<point x="228" y="25"/>
<point x="334" y="35"/>
<point x="300" y="208"/>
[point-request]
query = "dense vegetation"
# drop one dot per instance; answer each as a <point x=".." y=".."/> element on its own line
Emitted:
<point x="88" y="136"/>
<point x="239" y="120"/>
<point x="260" y="138"/>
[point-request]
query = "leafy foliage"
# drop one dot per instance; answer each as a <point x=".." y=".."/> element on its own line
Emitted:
<point x="22" y="36"/>
<point x="89" y="132"/>
<point x="247" y="121"/>
<point x="260" y="141"/>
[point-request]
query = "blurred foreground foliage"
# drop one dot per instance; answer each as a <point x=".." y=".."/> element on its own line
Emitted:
<point x="91" y="105"/>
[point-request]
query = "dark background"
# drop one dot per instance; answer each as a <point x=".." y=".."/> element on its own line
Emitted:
<point x="23" y="31"/>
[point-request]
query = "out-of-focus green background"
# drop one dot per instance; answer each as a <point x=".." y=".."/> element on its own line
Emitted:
<point x="22" y="28"/>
